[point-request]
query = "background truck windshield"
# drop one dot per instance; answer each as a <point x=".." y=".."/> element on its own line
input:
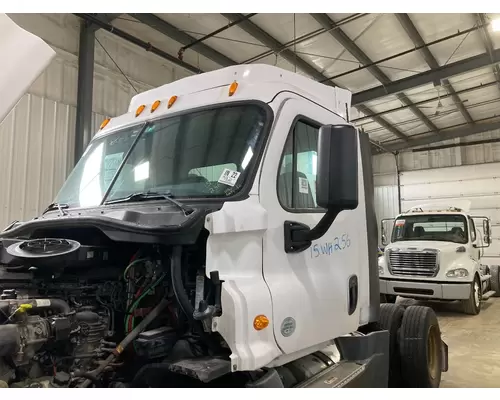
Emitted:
<point x="205" y="153"/>
<point x="447" y="228"/>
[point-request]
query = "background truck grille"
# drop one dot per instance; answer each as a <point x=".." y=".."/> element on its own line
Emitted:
<point x="413" y="263"/>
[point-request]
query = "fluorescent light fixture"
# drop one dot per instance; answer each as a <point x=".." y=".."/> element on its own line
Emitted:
<point x="495" y="25"/>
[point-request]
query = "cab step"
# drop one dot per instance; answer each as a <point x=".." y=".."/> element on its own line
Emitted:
<point x="487" y="295"/>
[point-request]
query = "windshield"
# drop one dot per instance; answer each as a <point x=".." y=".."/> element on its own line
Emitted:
<point x="447" y="228"/>
<point x="206" y="153"/>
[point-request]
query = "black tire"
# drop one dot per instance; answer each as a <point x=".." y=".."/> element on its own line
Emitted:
<point x="391" y="316"/>
<point x="495" y="279"/>
<point x="420" y="348"/>
<point x="472" y="306"/>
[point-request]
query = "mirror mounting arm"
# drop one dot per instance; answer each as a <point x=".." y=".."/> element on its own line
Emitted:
<point x="298" y="237"/>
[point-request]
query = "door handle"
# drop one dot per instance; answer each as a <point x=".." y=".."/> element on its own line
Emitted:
<point x="353" y="294"/>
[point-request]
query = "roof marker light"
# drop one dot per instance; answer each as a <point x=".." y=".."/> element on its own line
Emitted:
<point x="171" y="101"/>
<point x="155" y="105"/>
<point x="232" y="88"/>
<point x="104" y="123"/>
<point x="139" y="110"/>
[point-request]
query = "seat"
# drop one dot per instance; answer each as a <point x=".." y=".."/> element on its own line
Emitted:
<point x="418" y="231"/>
<point x="458" y="232"/>
<point x="301" y="199"/>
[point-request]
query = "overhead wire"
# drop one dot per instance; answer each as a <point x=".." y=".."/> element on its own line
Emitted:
<point x="116" y="65"/>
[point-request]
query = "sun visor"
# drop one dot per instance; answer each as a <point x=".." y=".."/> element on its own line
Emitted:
<point x="24" y="57"/>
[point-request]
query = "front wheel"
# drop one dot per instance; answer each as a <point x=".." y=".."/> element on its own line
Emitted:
<point x="472" y="306"/>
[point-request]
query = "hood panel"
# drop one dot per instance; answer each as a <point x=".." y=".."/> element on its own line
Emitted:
<point x="144" y="223"/>
<point x="24" y="57"/>
<point x="424" y="244"/>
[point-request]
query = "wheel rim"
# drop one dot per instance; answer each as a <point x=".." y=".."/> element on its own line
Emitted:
<point x="432" y="352"/>
<point x="476" y="293"/>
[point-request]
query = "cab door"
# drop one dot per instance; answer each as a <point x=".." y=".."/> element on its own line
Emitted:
<point x="316" y="293"/>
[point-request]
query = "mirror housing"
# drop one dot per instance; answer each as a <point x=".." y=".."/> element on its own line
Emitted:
<point x="337" y="172"/>
<point x="486" y="227"/>
<point x="486" y="232"/>
<point x="383" y="236"/>
<point x="336" y="184"/>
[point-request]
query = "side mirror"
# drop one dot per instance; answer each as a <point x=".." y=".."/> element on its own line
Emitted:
<point x="486" y="227"/>
<point x="336" y="184"/>
<point x="383" y="237"/>
<point x="337" y="172"/>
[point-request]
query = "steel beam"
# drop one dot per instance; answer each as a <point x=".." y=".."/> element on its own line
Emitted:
<point x="266" y="39"/>
<point x="83" y="129"/>
<point x="430" y="100"/>
<point x="174" y="33"/>
<point x="338" y="34"/>
<point x="424" y="78"/>
<point x="417" y="40"/>
<point x="138" y="42"/>
<point x="488" y="44"/>
<point x="106" y="18"/>
<point x="462" y="131"/>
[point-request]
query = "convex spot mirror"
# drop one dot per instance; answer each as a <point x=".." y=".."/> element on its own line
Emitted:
<point x="337" y="172"/>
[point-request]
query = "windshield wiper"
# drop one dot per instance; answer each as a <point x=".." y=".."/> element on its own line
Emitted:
<point x="56" y="206"/>
<point x="140" y="196"/>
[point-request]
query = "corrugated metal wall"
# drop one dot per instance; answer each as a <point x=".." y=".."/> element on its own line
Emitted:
<point x="37" y="138"/>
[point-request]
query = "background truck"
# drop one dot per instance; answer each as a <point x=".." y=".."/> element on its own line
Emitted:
<point x="434" y="252"/>
<point x="219" y="233"/>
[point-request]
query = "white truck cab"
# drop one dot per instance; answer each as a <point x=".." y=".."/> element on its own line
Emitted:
<point x="434" y="252"/>
<point x="222" y="231"/>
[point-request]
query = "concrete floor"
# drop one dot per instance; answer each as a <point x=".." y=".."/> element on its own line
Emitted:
<point x="473" y="344"/>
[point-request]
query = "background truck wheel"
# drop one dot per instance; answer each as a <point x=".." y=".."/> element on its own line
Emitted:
<point x="391" y="316"/>
<point x="472" y="305"/>
<point x="495" y="279"/>
<point x="420" y="348"/>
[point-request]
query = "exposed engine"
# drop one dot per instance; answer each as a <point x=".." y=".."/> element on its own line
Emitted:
<point x="109" y="315"/>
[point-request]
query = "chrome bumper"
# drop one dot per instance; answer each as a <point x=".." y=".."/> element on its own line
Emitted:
<point x="425" y="290"/>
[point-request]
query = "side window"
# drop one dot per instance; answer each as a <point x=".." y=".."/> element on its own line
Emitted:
<point x="472" y="229"/>
<point x="297" y="175"/>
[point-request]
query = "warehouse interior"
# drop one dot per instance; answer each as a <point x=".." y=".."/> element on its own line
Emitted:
<point x="425" y="89"/>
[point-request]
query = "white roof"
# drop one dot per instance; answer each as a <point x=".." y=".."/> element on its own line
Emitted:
<point x="462" y="206"/>
<point x="335" y="99"/>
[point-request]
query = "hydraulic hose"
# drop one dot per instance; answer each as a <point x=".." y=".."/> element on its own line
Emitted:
<point x="125" y="342"/>
<point x="177" y="285"/>
<point x="183" y="299"/>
